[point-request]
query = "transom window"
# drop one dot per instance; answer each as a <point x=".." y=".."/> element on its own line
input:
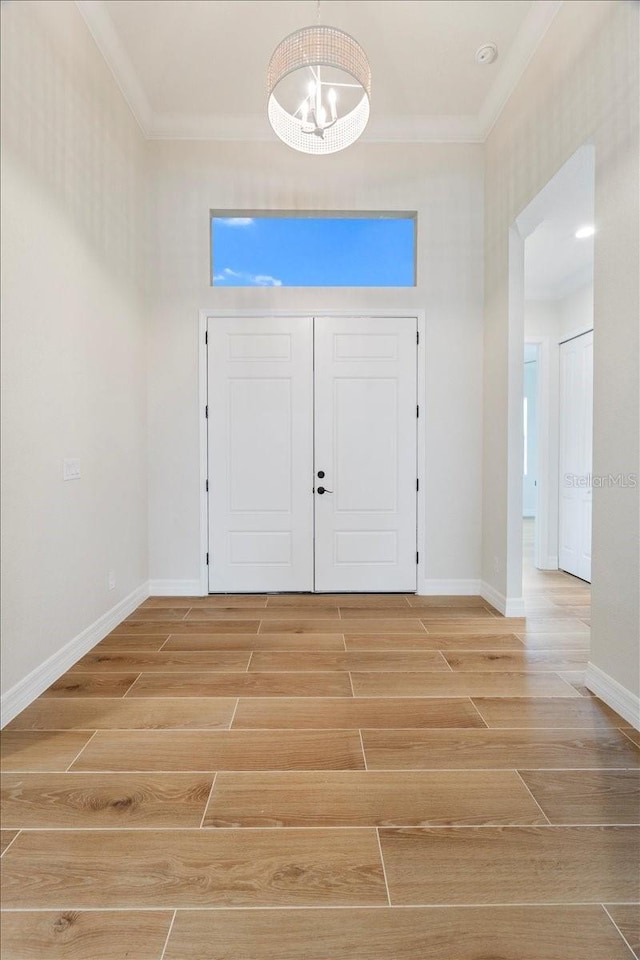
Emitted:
<point x="311" y="249"/>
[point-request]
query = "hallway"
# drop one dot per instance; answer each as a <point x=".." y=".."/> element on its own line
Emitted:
<point x="385" y="776"/>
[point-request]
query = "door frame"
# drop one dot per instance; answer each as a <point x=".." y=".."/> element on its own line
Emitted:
<point x="205" y="315"/>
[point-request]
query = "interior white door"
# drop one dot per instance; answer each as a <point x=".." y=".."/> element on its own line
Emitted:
<point x="576" y="439"/>
<point x="365" y="445"/>
<point x="260" y="451"/>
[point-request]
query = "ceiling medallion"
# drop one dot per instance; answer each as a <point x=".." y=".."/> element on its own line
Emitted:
<point x="319" y="88"/>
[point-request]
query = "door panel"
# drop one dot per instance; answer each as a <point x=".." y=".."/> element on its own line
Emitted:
<point x="365" y="439"/>
<point x="357" y="402"/>
<point x="576" y="419"/>
<point x="260" y="374"/>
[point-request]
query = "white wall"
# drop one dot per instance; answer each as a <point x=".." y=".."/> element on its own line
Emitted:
<point x="575" y="312"/>
<point x="444" y="183"/>
<point x="73" y="382"/>
<point x="582" y="84"/>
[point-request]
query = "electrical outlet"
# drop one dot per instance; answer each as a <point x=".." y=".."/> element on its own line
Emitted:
<point x="71" y="468"/>
<point x="112" y="580"/>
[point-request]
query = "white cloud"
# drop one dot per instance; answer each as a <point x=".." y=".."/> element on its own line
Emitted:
<point x="262" y="280"/>
<point x="253" y="279"/>
<point x="236" y="221"/>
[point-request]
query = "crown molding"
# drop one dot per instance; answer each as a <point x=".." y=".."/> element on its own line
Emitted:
<point x="100" y="26"/>
<point x="534" y="27"/>
<point x="381" y="129"/>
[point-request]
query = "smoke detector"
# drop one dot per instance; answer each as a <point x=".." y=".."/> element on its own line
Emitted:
<point x="486" y="54"/>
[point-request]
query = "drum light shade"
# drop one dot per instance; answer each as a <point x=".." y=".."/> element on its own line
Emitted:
<point x="317" y="126"/>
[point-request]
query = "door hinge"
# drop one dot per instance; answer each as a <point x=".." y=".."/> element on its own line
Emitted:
<point x="417" y="557"/>
<point x="417" y="411"/>
<point x="206" y="412"/>
<point x="206" y="336"/>
<point x="417" y="336"/>
<point x="206" y="485"/>
<point x="417" y="483"/>
<point x="207" y="559"/>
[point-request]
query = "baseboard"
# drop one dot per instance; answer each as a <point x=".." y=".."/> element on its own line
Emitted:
<point x="616" y="696"/>
<point x="175" y="588"/>
<point x="448" y="588"/>
<point x="25" y="691"/>
<point x="507" y="606"/>
<point x="550" y="563"/>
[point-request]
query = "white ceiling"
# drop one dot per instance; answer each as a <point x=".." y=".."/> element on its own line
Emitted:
<point x="555" y="262"/>
<point x="196" y="68"/>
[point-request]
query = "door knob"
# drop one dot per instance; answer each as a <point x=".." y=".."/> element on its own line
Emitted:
<point x="322" y="490"/>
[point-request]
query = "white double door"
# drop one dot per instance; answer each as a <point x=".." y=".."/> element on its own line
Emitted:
<point x="576" y="443"/>
<point x="312" y="454"/>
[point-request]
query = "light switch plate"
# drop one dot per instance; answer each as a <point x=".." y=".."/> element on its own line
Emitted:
<point x="71" y="469"/>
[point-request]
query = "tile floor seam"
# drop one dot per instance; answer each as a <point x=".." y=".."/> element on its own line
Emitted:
<point x="558" y="675"/>
<point x="384" y="869"/>
<point x="166" y="942"/>
<point x="373" y="906"/>
<point x="206" y="806"/>
<point x="233" y="715"/>
<point x="280" y="770"/>
<point x="442" y="654"/>
<point x="530" y="792"/>
<point x="124" y="695"/>
<point x="625" y="731"/>
<point x="364" y="755"/>
<point x="225" y="729"/>
<point x="616" y="927"/>
<point x="12" y="841"/>
<point x="430" y="827"/>
<point x="68" y="769"/>
<point x="477" y="709"/>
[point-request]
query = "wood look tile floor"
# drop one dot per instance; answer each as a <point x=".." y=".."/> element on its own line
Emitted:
<point x="325" y="778"/>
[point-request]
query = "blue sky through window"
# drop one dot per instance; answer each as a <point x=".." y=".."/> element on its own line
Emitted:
<point x="308" y="251"/>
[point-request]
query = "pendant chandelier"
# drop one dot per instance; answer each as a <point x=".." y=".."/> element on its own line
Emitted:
<point x="318" y="85"/>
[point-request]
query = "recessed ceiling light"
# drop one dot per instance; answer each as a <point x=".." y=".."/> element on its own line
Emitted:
<point x="486" y="54"/>
<point x="583" y="233"/>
